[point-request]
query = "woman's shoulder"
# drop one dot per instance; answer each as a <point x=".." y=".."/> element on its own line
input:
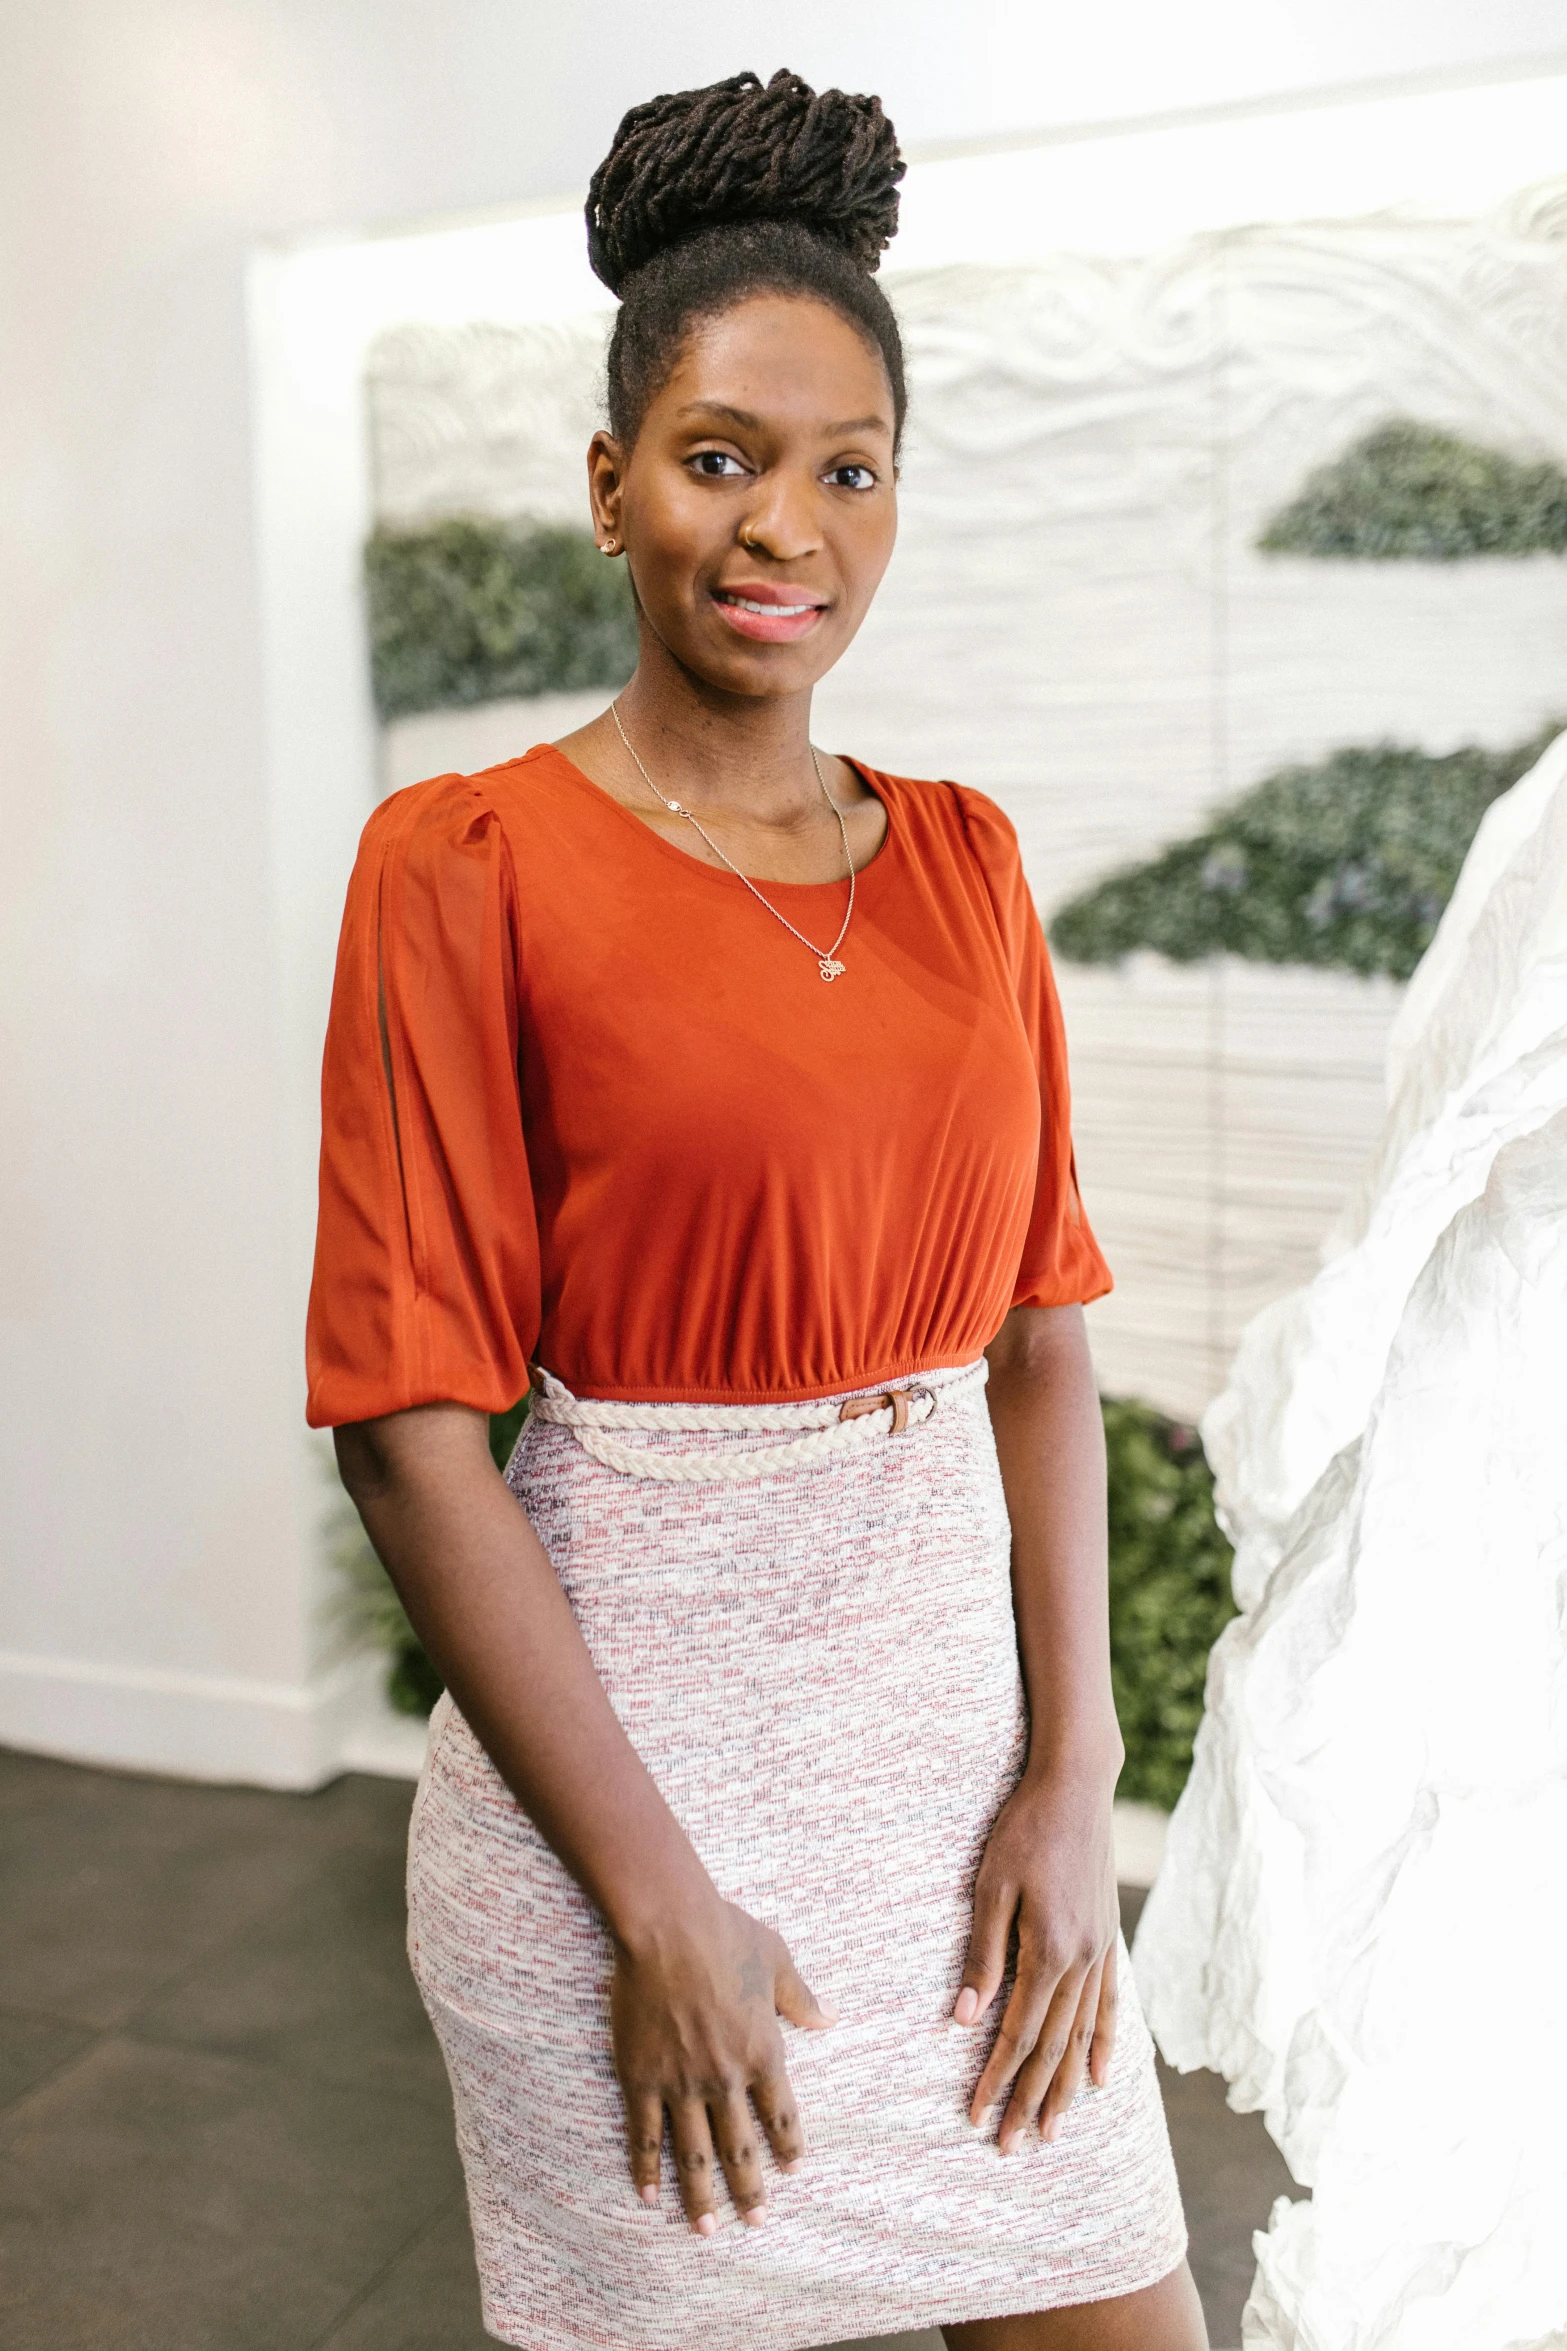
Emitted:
<point x="953" y="827"/>
<point x="958" y="812"/>
<point x="449" y="813"/>
<point x="437" y="802"/>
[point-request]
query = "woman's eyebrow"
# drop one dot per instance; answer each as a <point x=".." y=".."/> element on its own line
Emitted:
<point x="754" y="423"/>
<point x="741" y="416"/>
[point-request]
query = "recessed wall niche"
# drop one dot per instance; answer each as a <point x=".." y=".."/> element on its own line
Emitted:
<point x="1081" y="620"/>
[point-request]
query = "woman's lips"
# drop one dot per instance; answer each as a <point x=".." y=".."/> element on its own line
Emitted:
<point x="769" y="616"/>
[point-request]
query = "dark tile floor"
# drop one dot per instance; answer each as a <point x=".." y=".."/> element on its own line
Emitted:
<point x="224" y="2125"/>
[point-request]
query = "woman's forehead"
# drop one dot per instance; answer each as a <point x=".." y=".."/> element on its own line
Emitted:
<point x="777" y="355"/>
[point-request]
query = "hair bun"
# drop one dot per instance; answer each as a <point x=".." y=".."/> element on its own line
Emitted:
<point x="734" y="152"/>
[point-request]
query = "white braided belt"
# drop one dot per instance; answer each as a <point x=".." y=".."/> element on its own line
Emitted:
<point x="827" y="1432"/>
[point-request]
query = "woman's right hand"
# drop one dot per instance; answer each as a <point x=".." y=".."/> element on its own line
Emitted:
<point x="694" y="2009"/>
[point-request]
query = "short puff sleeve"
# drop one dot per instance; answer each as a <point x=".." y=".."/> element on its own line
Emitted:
<point x="426" y="1284"/>
<point x="1062" y="1264"/>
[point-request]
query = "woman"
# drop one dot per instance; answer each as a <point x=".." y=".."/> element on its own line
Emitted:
<point x="724" y="1081"/>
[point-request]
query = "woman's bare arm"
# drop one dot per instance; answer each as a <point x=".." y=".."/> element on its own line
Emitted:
<point x="1044" y="1408"/>
<point x="488" y="1606"/>
<point x="694" y="2017"/>
<point x="1049" y="1865"/>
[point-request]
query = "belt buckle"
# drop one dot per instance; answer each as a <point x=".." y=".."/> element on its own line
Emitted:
<point x="899" y="1399"/>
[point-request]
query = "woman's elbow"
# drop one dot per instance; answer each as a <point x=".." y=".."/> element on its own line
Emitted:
<point x="425" y="1444"/>
<point x="362" y="1461"/>
<point x="1039" y="1343"/>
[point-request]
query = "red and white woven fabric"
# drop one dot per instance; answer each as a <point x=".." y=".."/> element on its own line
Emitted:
<point x="820" y="1670"/>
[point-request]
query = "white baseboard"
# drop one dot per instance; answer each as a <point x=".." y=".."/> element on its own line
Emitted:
<point x="372" y="1736"/>
<point x="280" y="1735"/>
<point x="208" y="1726"/>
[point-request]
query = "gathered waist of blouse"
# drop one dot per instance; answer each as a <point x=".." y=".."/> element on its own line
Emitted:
<point x="814" y="1434"/>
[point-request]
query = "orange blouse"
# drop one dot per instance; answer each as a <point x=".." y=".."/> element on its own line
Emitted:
<point x="585" y="1102"/>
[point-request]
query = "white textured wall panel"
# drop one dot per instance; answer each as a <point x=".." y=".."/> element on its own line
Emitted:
<point x="1077" y="621"/>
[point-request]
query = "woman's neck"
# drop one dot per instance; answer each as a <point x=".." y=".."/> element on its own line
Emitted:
<point x="732" y="751"/>
<point x="741" y="764"/>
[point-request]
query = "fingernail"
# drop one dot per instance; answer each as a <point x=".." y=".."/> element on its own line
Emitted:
<point x="756" y="2218"/>
<point x="706" y="2225"/>
<point x="829" y="2009"/>
<point x="649" y="2195"/>
<point x="978" y="2121"/>
<point x="968" y="2006"/>
<point x="1052" y="2129"/>
<point x="793" y="2163"/>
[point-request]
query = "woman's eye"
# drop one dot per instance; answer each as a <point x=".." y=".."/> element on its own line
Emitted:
<point x="853" y="477"/>
<point x="717" y="464"/>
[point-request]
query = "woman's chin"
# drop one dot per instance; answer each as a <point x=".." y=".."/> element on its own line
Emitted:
<point x="740" y="665"/>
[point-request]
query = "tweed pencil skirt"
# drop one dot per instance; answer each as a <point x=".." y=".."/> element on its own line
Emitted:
<point x="819" y="1668"/>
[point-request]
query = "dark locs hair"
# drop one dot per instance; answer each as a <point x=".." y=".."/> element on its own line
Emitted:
<point x="710" y="196"/>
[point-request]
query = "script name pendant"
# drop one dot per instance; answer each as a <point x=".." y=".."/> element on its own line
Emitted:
<point x="831" y="968"/>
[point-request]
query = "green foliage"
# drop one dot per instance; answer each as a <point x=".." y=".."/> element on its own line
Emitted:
<point x="367" y="1599"/>
<point x="506" y="1428"/>
<point x="1348" y="863"/>
<point x="412" y="1683"/>
<point x="1408" y="493"/>
<point x="467" y="611"/>
<point x="1169" y="1594"/>
<point x="367" y="1604"/>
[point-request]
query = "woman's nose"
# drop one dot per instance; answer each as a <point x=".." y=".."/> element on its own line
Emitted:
<point x="783" y="522"/>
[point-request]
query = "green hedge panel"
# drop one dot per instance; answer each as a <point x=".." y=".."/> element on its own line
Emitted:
<point x="1169" y="1593"/>
<point x="1408" y="493"/>
<point x="469" y="611"/>
<point x="1347" y="864"/>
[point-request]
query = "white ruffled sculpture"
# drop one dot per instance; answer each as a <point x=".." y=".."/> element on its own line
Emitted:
<point x="1362" y="1916"/>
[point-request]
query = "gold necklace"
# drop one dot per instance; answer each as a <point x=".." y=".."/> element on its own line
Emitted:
<point x="827" y="960"/>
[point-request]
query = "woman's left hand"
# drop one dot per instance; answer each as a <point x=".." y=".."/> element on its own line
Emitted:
<point x="1049" y="1868"/>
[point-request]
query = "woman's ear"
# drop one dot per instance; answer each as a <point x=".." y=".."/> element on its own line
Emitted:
<point x="606" y="480"/>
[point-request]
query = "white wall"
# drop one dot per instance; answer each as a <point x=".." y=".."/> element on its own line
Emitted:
<point x="158" y="1593"/>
